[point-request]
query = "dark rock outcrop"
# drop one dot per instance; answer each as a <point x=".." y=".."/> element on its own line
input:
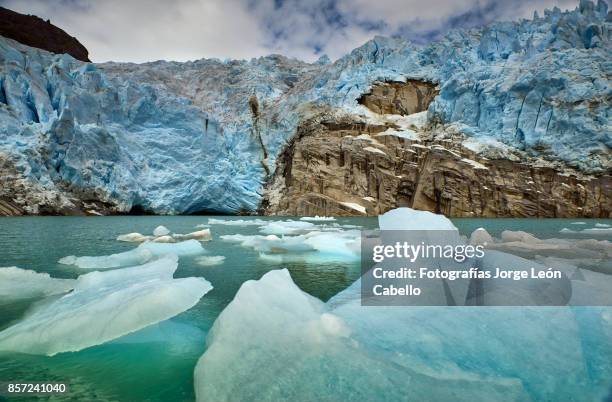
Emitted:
<point x="36" y="32"/>
<point x="348" y="169"/>
<point x="401" y="98"/>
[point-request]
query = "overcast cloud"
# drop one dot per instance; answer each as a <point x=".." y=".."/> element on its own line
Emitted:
<point x="147" y="30"/>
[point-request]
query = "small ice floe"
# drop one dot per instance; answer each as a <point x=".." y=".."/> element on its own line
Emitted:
<point x="598" y="231"/>
<point x="317" y="218"/>
<point x="164" y="239"/>
<point x="104" y="306"/>
<point x="237" y="222"/>
<point x="287" y="227"/>
<point x="315" y="246"/>
<point x="161" y="231"/>
<point x="602" y="230"/>
<point x="528" y="246"/>
<point x="200" y="235"/>
<point x="140" y="255"/>
<point x="209" y="261"/>
<point x="134" y="237"/>
<point x="481" y="237"/>
<point x="19" y="284"/>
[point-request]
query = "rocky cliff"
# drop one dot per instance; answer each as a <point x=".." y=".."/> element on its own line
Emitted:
<point x="528" y="101"/>
<point x="341" y="167"/>
<point x="33" y="31"/>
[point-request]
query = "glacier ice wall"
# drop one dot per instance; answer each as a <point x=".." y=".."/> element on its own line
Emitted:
<point x="171" y="137"/>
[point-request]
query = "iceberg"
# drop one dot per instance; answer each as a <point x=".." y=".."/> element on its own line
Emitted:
<point x="312" y="247"/>
<point x="104" y="306"/>
<point x="210" y="260"/>
<point x="287" y="227"/>
<point x="134" y="237"/>
<point x="416" y="353"/>
<point x="19" y="284"/>
<point x="318" y="218"/>
<point x="140" y="255"/>
<point x="161" y="231"/>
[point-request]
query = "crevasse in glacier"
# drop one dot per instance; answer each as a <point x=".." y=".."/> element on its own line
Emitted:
<point x="171" y="137"/>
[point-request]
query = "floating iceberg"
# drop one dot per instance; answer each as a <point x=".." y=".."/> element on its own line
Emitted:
<point x="17" y="284"/>
<point x="161" y="231"/>
<point x="410" y="219"/>
<point x="134" y="237"/>
<point x="140" y="255"/>
<point x="201" y="235"/>
<point x="287" y="227"/>
<point x="318" y="218"/>
<point x="322" y="351"/>
<point x="210" y="260"/>
<point x="237" y="222"/>
<point x="105" y="306"/>
<point x="313" y="247"/>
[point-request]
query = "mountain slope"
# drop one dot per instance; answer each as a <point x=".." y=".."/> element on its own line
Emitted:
<point x="33" y="31"/>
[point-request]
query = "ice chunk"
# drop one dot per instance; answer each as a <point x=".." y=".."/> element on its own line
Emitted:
<point x="598" y="231"/>
<point x="105" y="306"/>
<point x="17" y="283"/>
<point x="141" y="254"/>
<point x="410" y="219"/>
<point x="133" y="237"/>
<point x="133" y="257"/>
<point x="481" y="237"/>
<point x="161" y="231"/>
<point x="292" y="329"/>
<point x="313" y="247"/>
<point x="237" y="222"/>
<point x="287" y="227"/>
<point x="201" y="235"/>
<point x="317" y="218"/>
<point x="164" y="239"/>
<point x="208" y="261"/>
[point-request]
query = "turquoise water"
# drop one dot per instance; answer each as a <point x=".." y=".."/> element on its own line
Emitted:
<point x="156" y="363"/>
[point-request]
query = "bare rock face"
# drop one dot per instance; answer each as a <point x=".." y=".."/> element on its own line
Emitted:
<point x="401" y="98"/>
<point x="33" y="31"/>
<point x="348" y="168"/>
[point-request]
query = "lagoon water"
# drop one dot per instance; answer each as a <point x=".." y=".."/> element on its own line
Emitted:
<point x="157" y="363"/>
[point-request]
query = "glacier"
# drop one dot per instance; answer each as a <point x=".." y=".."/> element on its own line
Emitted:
<point x="203" y="136"/>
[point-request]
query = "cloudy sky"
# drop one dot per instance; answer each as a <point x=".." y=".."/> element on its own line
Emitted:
<point x="147" y="30"/>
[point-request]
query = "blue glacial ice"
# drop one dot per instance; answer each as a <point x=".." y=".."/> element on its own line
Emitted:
<point x="341" y="350"/>
<point x="172" y="137"/>
<point x="19" y="284"/>
<point x="140" y="255"/>
<point x="104" y="306"/>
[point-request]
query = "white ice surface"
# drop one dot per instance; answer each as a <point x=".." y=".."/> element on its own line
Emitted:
<point x="105" y="306"/>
